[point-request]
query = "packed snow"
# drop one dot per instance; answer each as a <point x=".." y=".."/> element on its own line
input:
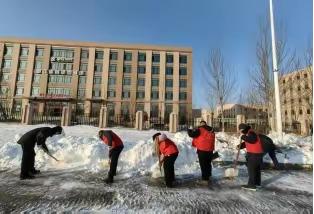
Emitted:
<point x="80" y="149"/>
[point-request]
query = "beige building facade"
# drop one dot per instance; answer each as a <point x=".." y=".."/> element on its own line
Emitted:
<point x="125" y="78"/>
<point x="296" y="91"/>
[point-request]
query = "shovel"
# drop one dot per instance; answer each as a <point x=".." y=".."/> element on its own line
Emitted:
<point x="234" y="172"/>
<point x="52" y="156"/>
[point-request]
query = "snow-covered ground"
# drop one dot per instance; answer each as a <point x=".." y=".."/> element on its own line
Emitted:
<point x="74" y="183"/>
<point x="81" y="149"/>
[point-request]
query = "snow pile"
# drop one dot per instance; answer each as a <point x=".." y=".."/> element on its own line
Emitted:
<point x="81" y="149"/>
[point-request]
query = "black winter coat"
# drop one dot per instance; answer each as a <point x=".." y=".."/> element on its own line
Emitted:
<point x="38" y="135"/>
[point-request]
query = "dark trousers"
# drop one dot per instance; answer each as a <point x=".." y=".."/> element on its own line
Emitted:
<point x="272" y="155"/>
<point x="169" y="169"/>
<point x="114" y="156"/>
<point x="254" y="164"/>
<point x="28" y="161"/>
<point x="205" y="160"/>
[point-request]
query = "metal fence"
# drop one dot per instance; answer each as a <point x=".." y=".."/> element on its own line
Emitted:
<point x="10" y="115"/>
<point x="124" y="120"/>
<point x="79" y="118"/>
<point x="43" y="118"/>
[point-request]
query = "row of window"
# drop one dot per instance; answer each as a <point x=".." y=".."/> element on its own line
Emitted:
<point x="97" y="67"/>
<point x="63" y="91"/>
<point x="298" y="77"/>
<point x="59" y="79"/>
<point x="307" y="99"/>
<point x="98" y="54"/>
<point x="292" y="112"/>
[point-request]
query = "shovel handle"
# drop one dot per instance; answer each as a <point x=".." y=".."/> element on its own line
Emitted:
<point x="238" y="154"/>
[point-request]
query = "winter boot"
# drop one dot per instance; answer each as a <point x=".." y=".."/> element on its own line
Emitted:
<point x="27" y="176"/>
<point x="109" y="180"/>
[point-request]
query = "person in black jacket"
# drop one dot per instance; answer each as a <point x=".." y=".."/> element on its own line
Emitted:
<point x="28" y="142"/>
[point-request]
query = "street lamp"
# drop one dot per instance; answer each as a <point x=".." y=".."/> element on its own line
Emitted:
<point x="275" y="69"/>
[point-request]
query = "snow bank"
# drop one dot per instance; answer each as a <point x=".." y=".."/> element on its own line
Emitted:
<point x="81" y="149"/>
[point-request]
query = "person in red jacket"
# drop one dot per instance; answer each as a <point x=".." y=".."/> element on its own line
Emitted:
<point x="115" y="147"/>
<point x="169" y="152"/>
<point x="253" y="145"/>
<point x="204" y="142"/>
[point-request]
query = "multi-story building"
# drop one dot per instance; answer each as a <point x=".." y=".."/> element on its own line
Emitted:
<point x="125" y="78"/>
<point x="296" y="91"/>
<point x="250" y="112"/>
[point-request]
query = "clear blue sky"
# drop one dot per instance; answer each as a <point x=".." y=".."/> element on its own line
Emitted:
<point x="231" y="25"/>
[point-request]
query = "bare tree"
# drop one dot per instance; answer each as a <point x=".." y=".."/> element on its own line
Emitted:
<point x="262" y="84"/>
<point x="219" y="79"/>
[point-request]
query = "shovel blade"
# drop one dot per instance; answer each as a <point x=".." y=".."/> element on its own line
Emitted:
<point x="231" y="172"/>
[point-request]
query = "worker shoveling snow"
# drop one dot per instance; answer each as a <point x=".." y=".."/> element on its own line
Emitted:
<point x="82" y="150"/>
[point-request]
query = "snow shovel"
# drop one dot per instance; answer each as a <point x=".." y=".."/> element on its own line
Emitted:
<point x="234" y="172"/>
<point x="52" y="156"/>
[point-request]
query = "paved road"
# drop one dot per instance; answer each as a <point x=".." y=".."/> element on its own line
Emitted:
<point x="77" y="191"/>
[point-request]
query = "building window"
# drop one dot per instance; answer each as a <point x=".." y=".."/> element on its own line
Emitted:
<point x="111" y="93"/>
<point x="97" y="80"/>
<point x="142" y="57"/>
<point x="82" y="80"/>
<point x="127" y="56"/>
<point x="59" y="78"/>
<point x="127" y="69"/>
<point x="38" y="64"/>
<point x="39" y="52"/>
<point x="308" y="111"/>
<point x="155" y="70"/>
<point x="183" y="84"/>
<point x="98" y="67"/>
<point x="60" y="91"/>
<point x="96" y="92"/>
<point x="126" y="81"/>
<point x="84" y="54"/>
<point x="36" y="78"/>
<point x="306" y="86"/>
<point x="182" y="96"/>
<point x="299" y="88"/>
<point x="155" y="82"/>
<point x="286" y="113"/>
<point x="111" y="81"/>
<point x="20" y="77"/>
<point x="169" y="70"/>
<point x="300" y="100"/>
<point x="140" y="94"/>
<point x="141" y="69"/>
<point x="35" y="91"/>
<point x="113" y="55"/>
<point x="292" y="112"/>
<point x="169" y="95"/>
<point x="4" y="90"/>
<point x="283" y="81"/>
<point x="169" y="83"/>
<point x="156" y="58"/>
<point x="300" y="111"/>
<point x="5" y="77"/>
<point x="298" y="77"/>
<point x="7" y="63"/>
<point x="169" y="58"/>
<point x="113" y="68"/>
<point x="22" y="65"/>
<point x="62" y="53"/>
<point x="182" y="71"/>
<point x="83" y="67"/>
<point x="81" y="93"/>
<point x="183" y="59"/>
<point x="126" y="94"/>
<point x="155" y="95"/>
<point x="24" y="52"/>
<point x="19" y="91"/>
<point x="99" y="54"/>
<point x="139" y="107"/>
<point x="141" y="82"/>
<point x="305" y="75"/>
<point x="8" y="51"/>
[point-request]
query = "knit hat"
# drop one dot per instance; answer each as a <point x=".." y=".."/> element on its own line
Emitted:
<point x="243" y="126"/>
<point x="162" y="137"/>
